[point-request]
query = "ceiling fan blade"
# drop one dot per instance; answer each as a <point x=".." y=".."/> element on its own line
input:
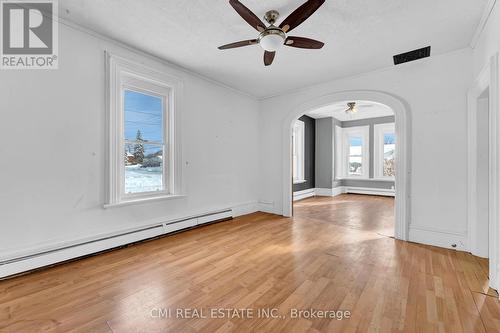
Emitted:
<point x="248" y="15"/>
<point x="239" y="44"/>
<point x="269" y="57"/>
<point x="303" y="43"/>
<point x="300" y="15"/>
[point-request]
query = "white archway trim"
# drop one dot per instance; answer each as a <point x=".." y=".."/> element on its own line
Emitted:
<point x="403" y="161"/>
<point x="488" y="79"/>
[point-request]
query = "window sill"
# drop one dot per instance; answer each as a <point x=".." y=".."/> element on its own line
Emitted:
<point x="357" y="177"/>
<point x="301" y="181"/>
<point x="369" y="179"/>
<point x="139" y="201"/>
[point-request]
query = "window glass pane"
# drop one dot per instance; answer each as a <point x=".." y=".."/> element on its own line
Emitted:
<point x="389" y="152"/>
<point x="143" y="117"/>
<point x="295" y="167"/>
<point x="355" y="165"/>
<point x="355" y="155"/>
<point x="355" y="146"/>
<point x="294" y="152"/>
<point x="143" y="168"/>
<point x="298" y="150"/>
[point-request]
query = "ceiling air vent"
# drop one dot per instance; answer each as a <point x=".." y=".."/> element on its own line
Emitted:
<point x="412" y="55"/>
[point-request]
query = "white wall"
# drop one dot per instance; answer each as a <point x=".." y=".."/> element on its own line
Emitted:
<point x="489" y="41"/>
<point x="52" y="156"/>
<point x="435" y="90"/>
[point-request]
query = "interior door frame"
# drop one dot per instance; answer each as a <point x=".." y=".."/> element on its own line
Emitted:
<point x="488" y="79"/>
<point x="403" y="155"/>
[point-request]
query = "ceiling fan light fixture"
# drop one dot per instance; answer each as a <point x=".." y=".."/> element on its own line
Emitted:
<point x="351" y="108"/>
<point x="272" y="39"/>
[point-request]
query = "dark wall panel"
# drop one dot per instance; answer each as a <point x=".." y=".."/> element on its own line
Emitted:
<point x="310" y="150"/>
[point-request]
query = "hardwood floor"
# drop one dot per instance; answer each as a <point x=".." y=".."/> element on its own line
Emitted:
<point x="333" y="255"/>
<point x="369" y="213"/>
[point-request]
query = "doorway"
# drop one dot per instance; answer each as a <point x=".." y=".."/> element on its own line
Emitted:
<point x="402" y="158"/>
<point x="483" y="176"/>
<point x="343" y="165"/>
<point x="482" y="183"/>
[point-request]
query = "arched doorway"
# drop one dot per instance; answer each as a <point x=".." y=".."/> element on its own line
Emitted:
<point x="403" y="176"/>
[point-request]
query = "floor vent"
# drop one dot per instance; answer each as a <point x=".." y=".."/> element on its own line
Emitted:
<point x="412" y="55"/>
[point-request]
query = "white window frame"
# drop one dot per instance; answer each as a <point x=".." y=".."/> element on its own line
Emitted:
<point x="298" y="154"/>
<point x="124" y="75"/>
<point x="338" y="154"/>
<point x="379" y="130"/>
<point x="342" y="155"/>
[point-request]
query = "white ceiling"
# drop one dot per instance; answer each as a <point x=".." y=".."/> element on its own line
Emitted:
<point x="365" y="110"/>
<point x="360" y="36"/>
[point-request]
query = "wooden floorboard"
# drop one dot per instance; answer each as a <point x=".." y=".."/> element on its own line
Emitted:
<point x="335" y="254"/>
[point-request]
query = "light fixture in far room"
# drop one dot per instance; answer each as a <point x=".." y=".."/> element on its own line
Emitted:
<point x="351" y="108"/>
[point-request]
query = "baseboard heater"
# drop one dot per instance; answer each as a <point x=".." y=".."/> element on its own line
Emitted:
<point x="370" y="191"/>
<point x="50" y="256"/>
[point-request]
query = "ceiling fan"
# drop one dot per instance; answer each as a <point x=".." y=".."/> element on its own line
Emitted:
<point x="271" y="38"/>
<point x="351" y="108"/>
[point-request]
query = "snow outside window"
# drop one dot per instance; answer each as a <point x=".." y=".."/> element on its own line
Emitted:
<point x="385" y="151"/>
<point x="144" y="143"/>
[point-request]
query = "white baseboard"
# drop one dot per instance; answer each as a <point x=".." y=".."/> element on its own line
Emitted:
<point x="332" y="192"/>
<point x="300" y="195"/>
<point x="329" y="192"/>
<point x="337" y="191"/>
<point x="268" y="207"/>
<point x="324" y="192"/>
<point x="437" y="237"/>
<point x="245" y="208"/>
<point x="22" y="261"/>
<point x="370" y="191"/>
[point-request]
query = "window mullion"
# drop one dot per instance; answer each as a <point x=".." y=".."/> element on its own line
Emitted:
<point x="156" y="143"/>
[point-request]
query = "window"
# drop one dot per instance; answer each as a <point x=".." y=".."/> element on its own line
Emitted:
<point x="144" y="142"/>
<point x="355" y="158"/>
<point x="352" y="152"/>
<point x="385" y="151"/>
<point x="298" y="149"/>
<point x="144" y="148"/>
